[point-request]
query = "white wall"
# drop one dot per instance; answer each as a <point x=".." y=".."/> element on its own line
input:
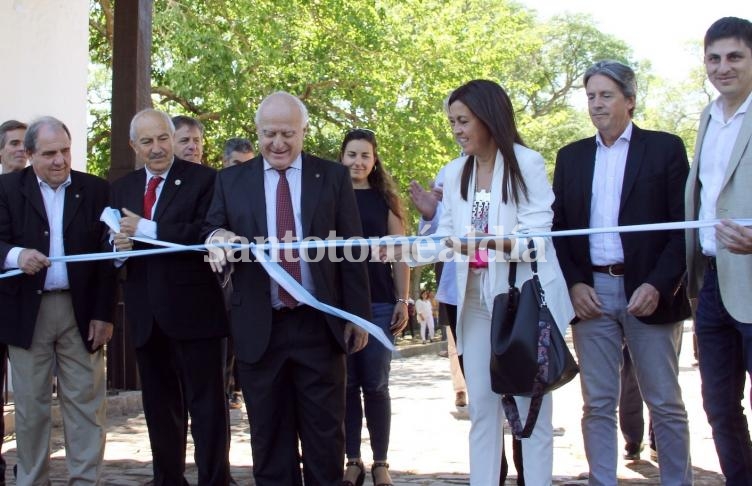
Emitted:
<point x="44" y="63"/>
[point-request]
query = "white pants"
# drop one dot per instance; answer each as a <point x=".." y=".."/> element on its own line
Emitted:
<point x="486" y="412"/>
<point x="427" y="322"/>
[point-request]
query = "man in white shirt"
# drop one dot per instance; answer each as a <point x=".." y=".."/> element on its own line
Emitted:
<point x="719" y="258"/>
<point x="626" y="288"/>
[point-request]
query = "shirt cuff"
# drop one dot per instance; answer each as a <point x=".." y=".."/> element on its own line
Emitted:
<point x="11" y="259"/>
<point x="146" y="228"/>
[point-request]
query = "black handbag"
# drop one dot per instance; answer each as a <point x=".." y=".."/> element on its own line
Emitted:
<point x="529" y="356"/>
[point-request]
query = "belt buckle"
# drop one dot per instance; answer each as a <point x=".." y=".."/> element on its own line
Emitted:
<point x="611" y="271"/>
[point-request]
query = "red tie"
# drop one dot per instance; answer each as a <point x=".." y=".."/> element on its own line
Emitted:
<point x="151" y="195"/>
<point x="286" y="233"/>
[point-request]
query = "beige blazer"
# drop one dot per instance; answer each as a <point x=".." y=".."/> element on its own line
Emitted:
<point x="531" y="214"/>
<point x="734" y="201"/>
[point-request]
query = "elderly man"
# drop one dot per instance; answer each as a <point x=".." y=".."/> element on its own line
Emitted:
<point x="175" y="306"/>
<point x="189" y="139"/>
<point x="626" y="288"/>
<point x="719" y="259"/>
<point x="55" y="314"/>
<point x="237" y="151"/>
<point x="291" y="357"/>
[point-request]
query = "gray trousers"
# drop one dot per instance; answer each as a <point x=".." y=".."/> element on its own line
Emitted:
<point x="598" y="343"/>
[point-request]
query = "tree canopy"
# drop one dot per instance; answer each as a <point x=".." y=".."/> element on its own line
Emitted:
<point x="386" y="65"/>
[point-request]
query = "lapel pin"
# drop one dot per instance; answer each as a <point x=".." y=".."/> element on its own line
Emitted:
<point x="178" y="182"/>
<point x="318" y="175"/>
<point x="78" y="195"/>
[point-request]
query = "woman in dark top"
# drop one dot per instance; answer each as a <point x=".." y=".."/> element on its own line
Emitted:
<point x="368" y="370"/>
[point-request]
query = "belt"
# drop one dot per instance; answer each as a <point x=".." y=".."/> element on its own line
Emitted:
<point x="287" y="311"/>
<point x="55" y="291"/>
<point x="615" y="270"/>
<point x="712" y="264"/>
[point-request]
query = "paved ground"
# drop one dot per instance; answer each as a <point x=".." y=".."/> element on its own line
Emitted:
<point x="429" y="435"/>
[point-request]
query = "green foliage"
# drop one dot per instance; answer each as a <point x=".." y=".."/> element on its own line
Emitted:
<point x="382" y="64"/>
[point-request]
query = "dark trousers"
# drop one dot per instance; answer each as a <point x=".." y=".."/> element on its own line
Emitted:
<point x="368" y="370"/>
<point x="451" y="313"/>
<point x="725" y="358"/>
<point x="179" y="378"/>
<point x="296" y="392"/>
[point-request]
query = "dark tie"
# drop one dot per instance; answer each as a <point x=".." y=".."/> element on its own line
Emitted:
<point x="151" y="195"/>
<point x="285" y="230"/>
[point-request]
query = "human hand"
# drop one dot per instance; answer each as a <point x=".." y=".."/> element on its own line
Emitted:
<point x="100" y="333"/>
<point x="122" y="242"/>
<point x="585" y="301"/>
<point x="425" y="201"/>
<point x="399" y="318"/>
<point x="734" y="237"/>
<point x="644" y="300"/>
<point x="129" y="222"/>
<point x="468" y="247"/>
<point x="218" y="255"/>
<point x="355" y="338"/>
<point x="31" y="261"/>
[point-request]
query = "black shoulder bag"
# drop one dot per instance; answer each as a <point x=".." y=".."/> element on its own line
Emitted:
<point x="528" y="354"/>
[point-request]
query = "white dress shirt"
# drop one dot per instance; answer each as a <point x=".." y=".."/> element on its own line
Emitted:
<point x="717" y="145"/>
<point x="294" y="180"/>
<point x="54" y="204"/>
<point x="608" y="178"/>
<point x="447" y="291"/>
<point x="147" y="228"/>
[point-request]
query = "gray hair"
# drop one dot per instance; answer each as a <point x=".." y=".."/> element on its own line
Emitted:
<point x="295" y="99"/>
<point x="32" y="133"/>
<point x="150" y="111"/>
<point x="180" y="121"/>
<point x="236" y="145"/>
<point x="619" y="73"/>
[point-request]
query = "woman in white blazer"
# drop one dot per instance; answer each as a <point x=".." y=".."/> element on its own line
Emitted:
<point x="498" y="187"/>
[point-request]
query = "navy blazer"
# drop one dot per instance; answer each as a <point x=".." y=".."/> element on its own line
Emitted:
<point x="327" y="204"/>
<point x="23" y="222"/>
<point x="652" y="192"/>
<point x="178" y="291"/>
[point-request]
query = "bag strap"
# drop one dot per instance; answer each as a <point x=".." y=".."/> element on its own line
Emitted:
<point x="536" y="399"/>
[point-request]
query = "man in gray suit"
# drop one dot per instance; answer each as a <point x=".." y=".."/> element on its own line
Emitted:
<point x="719" y="258"/>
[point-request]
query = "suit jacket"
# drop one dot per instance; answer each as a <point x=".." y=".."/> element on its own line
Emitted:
<point x="656" y="167"/>
<point x="530" y="214"/>
<point x="327" y="204"/>
<point x="177" y="291"/>
<point x="734" y="201"/>
<point x="23" y="223"/>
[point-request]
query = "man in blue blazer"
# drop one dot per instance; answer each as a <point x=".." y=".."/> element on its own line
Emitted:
<point x="626" y="288"/>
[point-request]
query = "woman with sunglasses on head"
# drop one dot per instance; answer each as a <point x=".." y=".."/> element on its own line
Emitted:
<point x="498" y="186"/>
<point x="368" y="370"/>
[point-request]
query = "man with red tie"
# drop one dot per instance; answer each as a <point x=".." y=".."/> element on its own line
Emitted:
<point x="291" y="357"/>
<point x="174" y="306"/>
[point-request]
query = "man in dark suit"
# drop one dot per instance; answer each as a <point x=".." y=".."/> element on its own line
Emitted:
<point x="56" y="313"/>
<point x="174" y="305"/>
<point x="12" y="159"/>
<point x="626" y="288"/>
<point x="291" y="357"/>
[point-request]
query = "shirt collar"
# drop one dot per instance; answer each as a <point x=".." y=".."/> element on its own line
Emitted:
<point x="716" y="109"/>
<point x="626" y="135"/>
<point x="163" y="175"/>
<point x="42" y="183"/>
<point x="296" y="164"/>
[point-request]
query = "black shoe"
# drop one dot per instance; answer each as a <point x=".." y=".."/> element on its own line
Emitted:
<point x="632" y="451"/>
